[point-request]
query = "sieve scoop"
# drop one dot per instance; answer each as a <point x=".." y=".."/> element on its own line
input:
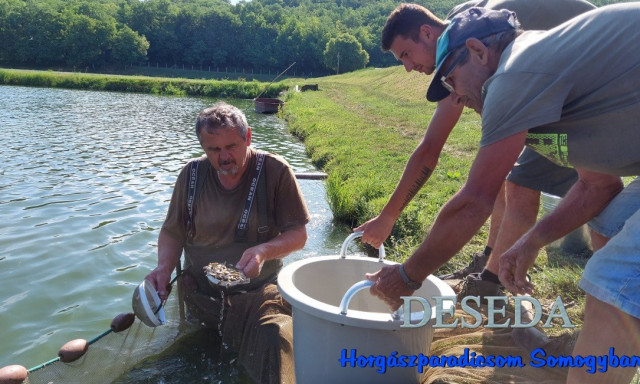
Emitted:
<point x="224" y="275"/>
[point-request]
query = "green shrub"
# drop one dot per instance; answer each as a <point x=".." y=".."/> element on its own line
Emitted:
<point x="138" y="84"/>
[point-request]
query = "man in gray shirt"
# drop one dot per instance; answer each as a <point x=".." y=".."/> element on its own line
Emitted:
<point x="573" y="95"/>
<point x="410" y="33"/>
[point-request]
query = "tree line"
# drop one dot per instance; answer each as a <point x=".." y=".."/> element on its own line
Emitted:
<point x="321" y="36"/>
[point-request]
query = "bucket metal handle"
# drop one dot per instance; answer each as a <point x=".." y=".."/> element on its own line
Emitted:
<point x="357" y="287"/>
<point x="355" y="235"/>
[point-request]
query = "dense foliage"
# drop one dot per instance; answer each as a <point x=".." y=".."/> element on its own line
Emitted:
<point x="265" y="35"/>
<point x="258" y="35"/>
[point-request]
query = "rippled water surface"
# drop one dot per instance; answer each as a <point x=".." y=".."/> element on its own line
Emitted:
<point x="85" y="181"/>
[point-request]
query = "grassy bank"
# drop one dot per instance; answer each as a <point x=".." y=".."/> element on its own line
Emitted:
<point x="361" y="129"/>
<point x="141" y="84"/>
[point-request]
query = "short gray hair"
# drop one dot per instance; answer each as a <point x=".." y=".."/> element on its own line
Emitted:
<point x="221" y="116"/>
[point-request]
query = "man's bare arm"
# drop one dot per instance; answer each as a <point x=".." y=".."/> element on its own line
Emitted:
<point x="169" y="252"/>
<point x="458" y="220"/>
<point x="416" y="173"/>
<point x="588" y="196"/>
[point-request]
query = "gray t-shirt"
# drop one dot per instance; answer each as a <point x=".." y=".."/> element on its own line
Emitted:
<point x="576" y="89"/>
<point x="532" y="14"/>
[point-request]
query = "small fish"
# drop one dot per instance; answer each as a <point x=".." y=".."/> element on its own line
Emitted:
<point x="224" y="274"/>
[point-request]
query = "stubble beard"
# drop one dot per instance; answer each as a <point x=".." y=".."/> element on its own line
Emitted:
<point x="229" y="171"/>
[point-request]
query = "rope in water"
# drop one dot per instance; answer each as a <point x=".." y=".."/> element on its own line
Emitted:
<point x="100" y="336"/>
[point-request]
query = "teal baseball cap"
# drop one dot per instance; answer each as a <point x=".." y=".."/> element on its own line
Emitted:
<point x="474" y="22"/>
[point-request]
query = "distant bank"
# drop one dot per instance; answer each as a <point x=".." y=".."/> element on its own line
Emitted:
<point x="141" y="84"/>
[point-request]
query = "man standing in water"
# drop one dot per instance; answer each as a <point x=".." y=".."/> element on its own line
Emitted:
<point x="211" y="218"/>
<point x="410" y="33"/>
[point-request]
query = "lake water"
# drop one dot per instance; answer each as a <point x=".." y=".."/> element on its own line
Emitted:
<point x="85" y="181"/>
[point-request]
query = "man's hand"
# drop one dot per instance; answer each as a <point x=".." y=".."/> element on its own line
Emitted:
<point x="389" y="286"/>
<point x="251" y="261"/>
<point x="514" y="265"/>
<point x="160" y="279"/>
<point x="376" y="230"/>
<point x="588" y="197"/>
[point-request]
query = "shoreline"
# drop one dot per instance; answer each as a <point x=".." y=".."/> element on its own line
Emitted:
<point x="360" y="129"/>
<point x="140" y="84"/>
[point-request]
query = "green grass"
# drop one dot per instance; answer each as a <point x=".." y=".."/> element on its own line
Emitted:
<point x="361" y="129"/>
<point x="140" y="84"/>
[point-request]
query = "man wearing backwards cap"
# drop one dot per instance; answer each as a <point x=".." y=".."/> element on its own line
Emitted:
<point x="410" y="33"/>
<point x="572" y="94"/>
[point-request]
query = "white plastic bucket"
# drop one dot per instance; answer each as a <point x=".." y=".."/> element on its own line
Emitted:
<point x="315" y="287"/>
<point x="577" y="241"/>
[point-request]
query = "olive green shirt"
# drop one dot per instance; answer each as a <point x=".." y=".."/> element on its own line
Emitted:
<point x="217" y="210"/>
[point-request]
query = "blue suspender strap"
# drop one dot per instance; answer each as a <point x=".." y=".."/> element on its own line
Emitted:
<point x="193" y="179"/>
<point x="243" y="225"/>
<point x="263" y="219"/>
